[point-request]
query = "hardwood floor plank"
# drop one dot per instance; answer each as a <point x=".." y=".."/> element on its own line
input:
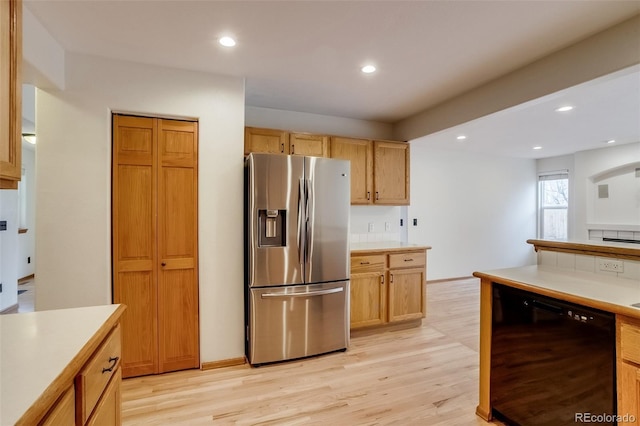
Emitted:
<point x="426" y="375"/>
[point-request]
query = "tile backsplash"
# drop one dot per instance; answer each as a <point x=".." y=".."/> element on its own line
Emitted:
<point x="586" y="263"/>
<point x="372" y="237"/>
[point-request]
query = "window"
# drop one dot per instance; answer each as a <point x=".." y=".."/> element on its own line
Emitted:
<point x="553" y="203"/>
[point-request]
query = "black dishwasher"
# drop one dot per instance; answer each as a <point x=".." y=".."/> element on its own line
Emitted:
<point x="552" y="362"/>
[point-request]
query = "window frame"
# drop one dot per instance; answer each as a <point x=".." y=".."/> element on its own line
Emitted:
<point x="548" y="176"/>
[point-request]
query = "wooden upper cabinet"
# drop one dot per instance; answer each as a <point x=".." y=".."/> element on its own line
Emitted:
<point x="265" y="140"/>
<point x="379" y="169"/>
<point x="391" y="173"/>
<point x="307" y="144"/>
<point x="10" y="93"/>
<point x="360" y="153"/>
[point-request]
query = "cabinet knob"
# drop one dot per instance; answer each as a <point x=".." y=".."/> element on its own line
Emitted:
<point x="164" y="264"/>
<point x="293" y="149"/>
<point x="390" y="278"/>
<point x="382" y="279"/>
<point x="282" y="148"/>
<point x="377" y="195"/>
<point x="368" y="195"/>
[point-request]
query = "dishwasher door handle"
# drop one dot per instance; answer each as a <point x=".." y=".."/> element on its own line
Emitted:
<point x="547" y="307"/>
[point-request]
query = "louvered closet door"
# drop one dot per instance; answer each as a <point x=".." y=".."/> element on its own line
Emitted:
<point x="178" y="245"/>
<point x="134" y="240"/>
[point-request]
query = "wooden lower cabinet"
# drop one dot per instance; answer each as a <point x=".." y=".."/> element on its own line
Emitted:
<point x="628" y="370"/>
<point x="385" y="291"/>
<point x="64" y="412"/>
<point x="406" y="294"/>
<point x="93" y="398"/>
<point x="107" y="411"/>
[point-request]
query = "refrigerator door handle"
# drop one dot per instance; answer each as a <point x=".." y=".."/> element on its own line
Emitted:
<point x="310" y="224"/>
<point x="301" y="222"/>
<point x="303" y="294"/>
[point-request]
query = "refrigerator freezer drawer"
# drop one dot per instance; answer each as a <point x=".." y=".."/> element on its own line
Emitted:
<point x="297" y="321"/>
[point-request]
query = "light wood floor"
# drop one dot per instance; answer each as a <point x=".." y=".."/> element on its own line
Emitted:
<point x="421" y="376"/>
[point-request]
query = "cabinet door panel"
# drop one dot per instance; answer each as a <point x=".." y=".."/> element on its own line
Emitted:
<point x="178" y="329"/>
<point x="629" y="393"/>
<point x="406" y="294"/>
<point x="265" y="140"/>
<point x="309" y="145"/>
<point x="360" y="153"/>
<point x="134" y="235"/>
<point x="10" y="93"/>
<point x="368" y="296"/>
<point x="391" y="173"/>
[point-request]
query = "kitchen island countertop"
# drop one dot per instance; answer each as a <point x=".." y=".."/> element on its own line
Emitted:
<point x="385" y="246"/>
<point x="598" y="291"/>
<point x="40" y="352"/>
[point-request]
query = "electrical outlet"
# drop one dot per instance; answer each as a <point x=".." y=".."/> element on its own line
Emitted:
<point x="387" y="226"/>
<point x="371" y="228"/>
<point x="612" y="265"/>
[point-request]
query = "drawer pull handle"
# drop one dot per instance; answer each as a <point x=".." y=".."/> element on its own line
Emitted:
<point x="282" y="148"/>
<point x="368" y="195"/>
<point x="113" y="360"/>
<point x="365" y="263"/>
<point x="381" y="279"/>
<point x="408" y="260"/>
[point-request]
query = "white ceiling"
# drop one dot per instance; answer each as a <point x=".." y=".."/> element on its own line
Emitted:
<point x="305" y="55"/>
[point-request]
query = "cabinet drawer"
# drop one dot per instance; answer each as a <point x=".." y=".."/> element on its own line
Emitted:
<point x="64" y="411"/>
<point x="630" y="342"/>
<point x="368" y="263"/>
<point x="97" y="372"/>
<point x="107" y="411"/>
<point x="407" y="260"/>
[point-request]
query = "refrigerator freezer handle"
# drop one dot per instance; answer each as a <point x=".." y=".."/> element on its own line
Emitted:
<point x="305" y="294"/>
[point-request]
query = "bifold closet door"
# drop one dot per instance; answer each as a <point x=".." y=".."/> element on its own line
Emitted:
<point x="178" y="246"/>
<point x="155" y="243"/>
<point x="134" y="213"/>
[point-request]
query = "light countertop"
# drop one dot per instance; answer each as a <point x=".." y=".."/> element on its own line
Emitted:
<point x="36" y="350"/>
<point x="595" y="290"/>
<point x="386" y="246"/>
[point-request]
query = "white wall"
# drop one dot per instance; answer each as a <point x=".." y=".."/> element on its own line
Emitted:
<point x="74" y="186"/>
<point x="475" y="210"/>
<point x="623" y="206"/>
<point x="8" y="253"/>
<point x="316" y="123"/>
<point x="26" y="241"/>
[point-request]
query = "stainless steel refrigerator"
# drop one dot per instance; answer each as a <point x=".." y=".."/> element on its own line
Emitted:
<point x="296" y="256"/>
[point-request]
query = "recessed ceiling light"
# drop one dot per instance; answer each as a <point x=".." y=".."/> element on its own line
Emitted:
<point x="611" y="141"/>
<point x="564" y="108"/>
<point x="537" y="147"/>
<point x="368" y="69"/>
<point x="227" y="41"/>
<point x="461" y="137"/>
